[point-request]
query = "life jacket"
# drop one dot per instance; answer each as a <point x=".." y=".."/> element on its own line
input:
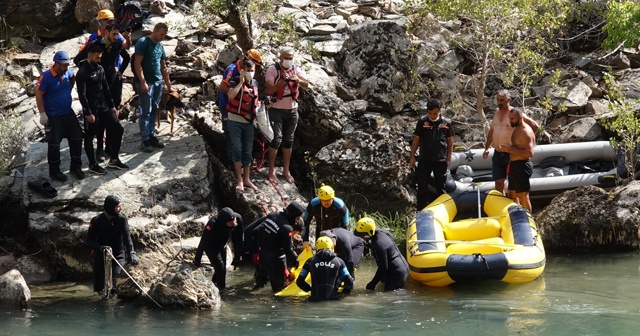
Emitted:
<point x="245" y="102"/>
<point x="293" y="86"/>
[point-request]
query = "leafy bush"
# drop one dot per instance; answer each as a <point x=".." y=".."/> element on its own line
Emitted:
<point x="11" y="141"/>
<point x="623" y="24"/>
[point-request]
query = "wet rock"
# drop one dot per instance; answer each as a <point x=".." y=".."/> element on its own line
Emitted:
<point x="13" y="289"/>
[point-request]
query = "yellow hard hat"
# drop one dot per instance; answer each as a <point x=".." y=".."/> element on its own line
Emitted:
<point x="254" y="56"/>
<point x="326" y="193"/>
<point x="105" y="14"/>
<point x="324" y="243"/>
<point x="367" y="226"/>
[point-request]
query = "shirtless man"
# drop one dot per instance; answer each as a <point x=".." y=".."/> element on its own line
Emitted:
<point x="520" y="152"/>
<point x="500" y="134"/>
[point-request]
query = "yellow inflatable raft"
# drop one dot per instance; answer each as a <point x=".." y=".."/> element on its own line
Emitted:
<point x="502" y="244"/>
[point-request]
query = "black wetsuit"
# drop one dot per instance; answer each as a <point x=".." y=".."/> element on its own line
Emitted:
<point x="393" y="269"/>
<point x="328" y="272"/>
<point x="349" y="248"/>
<point x="112" y="232"/>
<point x="273" y="235"/>
<point x="214" y="239"/>
<point x="336" y="215"/>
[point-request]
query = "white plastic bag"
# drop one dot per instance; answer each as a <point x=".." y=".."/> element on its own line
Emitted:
<point x="263" y="123"/>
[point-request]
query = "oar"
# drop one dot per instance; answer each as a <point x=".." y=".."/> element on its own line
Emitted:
<point x="465" y="242"/>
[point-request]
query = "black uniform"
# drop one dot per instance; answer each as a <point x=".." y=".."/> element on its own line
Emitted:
<point x="328" y="272"/>
<point x="109" y="229"/>
<point x="273" y="236"/>
<point x="214" y="238"/>
<point x="349" y="247"/>
<point x="433" y="156"/>
<point x="393" y="269"/>
<point x="94" y="95"/>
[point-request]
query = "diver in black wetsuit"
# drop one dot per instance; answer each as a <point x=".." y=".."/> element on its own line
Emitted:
<point x="273" y="236"/>
<point x="109" y="229"/>
<point x="214" y="238"/>
<point x="348" y="247"/>
<point x="393" y="269"/>
<point x="328" y="272"/>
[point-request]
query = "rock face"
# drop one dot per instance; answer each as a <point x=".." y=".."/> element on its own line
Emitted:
<point x="47" y="19"/>
<point x="375" y="61"/>
<point x="590" y="218"/>
<point x="13" y="289"/>
<point x="369" y="168"/>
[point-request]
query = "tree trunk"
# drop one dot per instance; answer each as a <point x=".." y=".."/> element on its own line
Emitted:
<point x="243" y="34"/>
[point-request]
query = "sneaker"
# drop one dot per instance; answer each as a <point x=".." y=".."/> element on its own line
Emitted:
<point x="100" y="155"/>
<point x="155" y="142"/>
<point x="58" y="176"/>
<point x="117" y="165"/>
<point x="96" y="169"/>
<point x="78" y="173"/>
<point x="146" y="146"/>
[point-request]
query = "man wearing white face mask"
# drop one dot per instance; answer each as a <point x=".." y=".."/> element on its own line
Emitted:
<point x="242" y="104"/>
<point x="284" y="80"/>
<point x="433" y="134"/>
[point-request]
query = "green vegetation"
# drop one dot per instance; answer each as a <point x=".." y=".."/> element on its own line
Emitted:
<point x="396" y="223"/>
<point x="623" y="24"/>
<point x="508" y="40"/>
<point x="11" y="140"/>
<point x="625" y="123"/>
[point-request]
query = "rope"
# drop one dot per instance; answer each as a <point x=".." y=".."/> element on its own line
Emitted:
<point x="132" y="279"/>
<point x="108" y="271"/>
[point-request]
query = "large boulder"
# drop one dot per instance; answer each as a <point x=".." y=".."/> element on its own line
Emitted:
<point x="13" y="289"/>
<point x="375" y="60"/>
<point x="164" y="194"/>
<point x="368" y="168"/>
<point x="590" y="218"/>
<point x="48" y="19"/>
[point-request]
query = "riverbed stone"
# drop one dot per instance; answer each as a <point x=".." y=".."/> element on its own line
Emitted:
<point x="13" y="289"/>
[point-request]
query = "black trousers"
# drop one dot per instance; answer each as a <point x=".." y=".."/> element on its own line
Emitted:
<point x="114" y="129"/>
<point x="274" y="265"/>
<point x="219" y="263"/>
<point x="98" y="270"/>
<point x="423" y="175"/>
<point x="66" y="126"/>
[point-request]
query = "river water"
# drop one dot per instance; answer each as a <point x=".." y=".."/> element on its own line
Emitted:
<point x="577" y="295"/>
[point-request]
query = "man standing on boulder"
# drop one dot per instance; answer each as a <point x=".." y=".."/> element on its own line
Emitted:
<point x="500" y="134"/>
<point x="98" y="107"/>
<point x="228" y="224"/>
<point x="283" y="81"/>
<point x="109" y="230"/>
<point x="520" y="153"/>
<point x="53" y="98"/>
<point x="150" y="73"/>
<point x="433" y="134"/>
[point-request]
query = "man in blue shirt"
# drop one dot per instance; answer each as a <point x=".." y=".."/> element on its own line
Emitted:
<point x="53" y="99"/>
<point x="150" y="73"/>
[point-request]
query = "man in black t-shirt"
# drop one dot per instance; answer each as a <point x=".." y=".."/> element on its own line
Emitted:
<point x="433" y="135"/>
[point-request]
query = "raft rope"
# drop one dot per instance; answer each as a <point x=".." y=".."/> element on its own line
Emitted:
<point x="132" y="279"/>
<point x="108" y="275"/>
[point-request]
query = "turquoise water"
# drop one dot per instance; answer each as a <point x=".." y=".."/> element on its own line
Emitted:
<point x="577" y="295"/>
